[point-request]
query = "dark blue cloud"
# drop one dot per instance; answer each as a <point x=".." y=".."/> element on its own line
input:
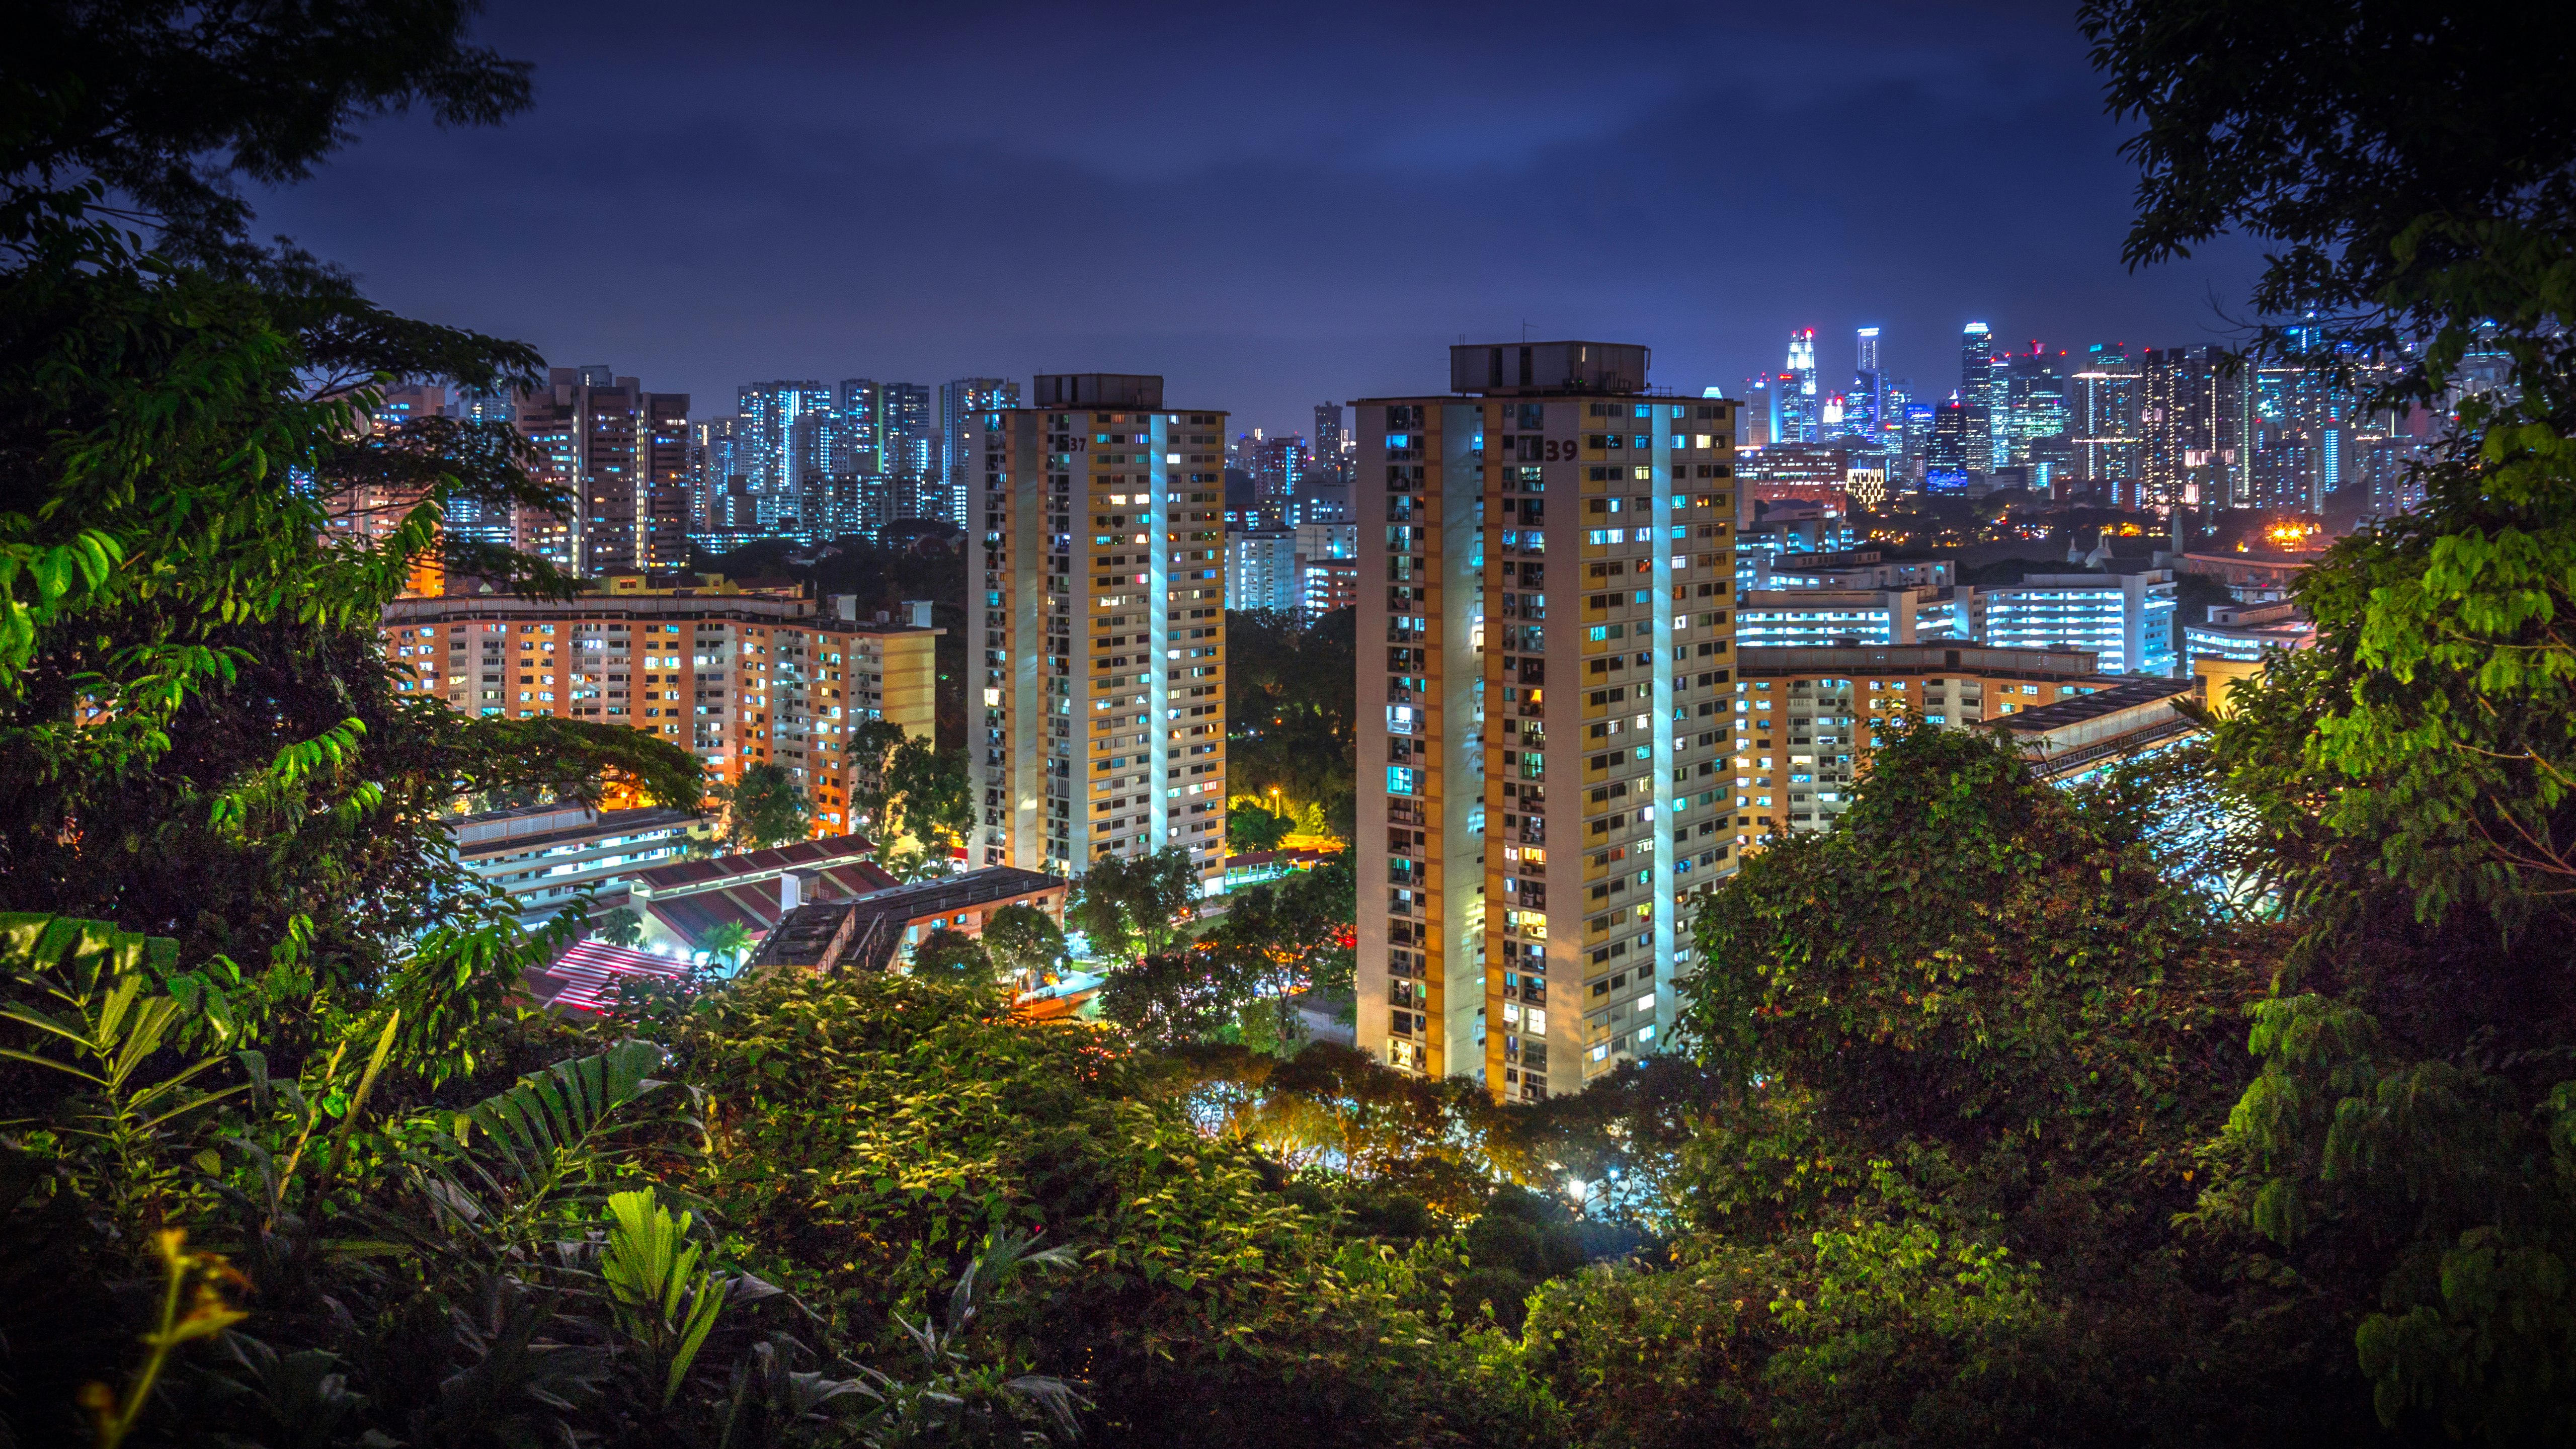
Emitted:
<point x="1271" y="206"/>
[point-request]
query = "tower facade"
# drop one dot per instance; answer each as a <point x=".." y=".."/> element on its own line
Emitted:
<point x="1546" y="601"/>
<point x="622" y="453"/>
<point x="962" y="405"/>
<point x="1096" y="628"/>
<point x="1977" y="395"/>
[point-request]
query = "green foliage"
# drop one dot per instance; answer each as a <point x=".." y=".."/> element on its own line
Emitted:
<point x="953" y="957"/>
<point x="1292" y="704"/>
<point x="1251" y="828"/>
<point x="621" y="927"/>
<point x="869" y="1132"/>
<point x="1134" y="906"/>
<point x="1024" y="941"/>
<point x="764" y="807"/>
<point x="2400" y="1152"/>
<point x="912" y="795"/>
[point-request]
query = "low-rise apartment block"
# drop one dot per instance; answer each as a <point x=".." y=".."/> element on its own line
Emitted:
<point x="735" y="677"/>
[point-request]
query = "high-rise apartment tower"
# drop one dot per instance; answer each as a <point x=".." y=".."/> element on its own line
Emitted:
<point x="962" y="406"/>
<point x="623" y="455"/>
<point x="1546" y="613"/>
<point x="1096" y="628"/>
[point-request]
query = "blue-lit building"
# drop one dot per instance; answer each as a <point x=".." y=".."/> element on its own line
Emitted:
<point x="962" y="405"/>
<point x="2127" y="619"/>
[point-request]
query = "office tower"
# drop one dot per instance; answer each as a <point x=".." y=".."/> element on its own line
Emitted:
<point x="2102" y="419"/>
<point x="1810" y="717"/>
<point x="1546" y="569"/>
<point x="622" y="455"/>
<point x="1869" y="387"/>
<point x="1916" y="421"/>
<point x="1801" y="404"/>
<point x="2034" y="399"/>
<point x="962" y="406"/>
<point x="2193" y="448"/>
<point x="1977" y="395"/>
<point x="1096" y="627"/>
<point x="1957" y="435"/>
<point x="1757" y="417"/>
<point x="737" y="678"/>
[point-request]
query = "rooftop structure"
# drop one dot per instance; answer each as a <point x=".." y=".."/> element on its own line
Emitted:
<point x="2073" y="738"/>
<point x="547" y="857"/>
<point x="876" y="930"/>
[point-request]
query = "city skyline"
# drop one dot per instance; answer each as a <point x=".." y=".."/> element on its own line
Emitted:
<point x="1286" y="181"/>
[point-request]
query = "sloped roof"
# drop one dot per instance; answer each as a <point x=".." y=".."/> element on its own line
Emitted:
<point x="586" y="977"/>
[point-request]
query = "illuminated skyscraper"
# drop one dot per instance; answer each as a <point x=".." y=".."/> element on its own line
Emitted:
<point x="1543" y="766"/>
<point x="908" y="434"/>
<point x="1801" y="404"/>
<point x="1867" y="405"/>
<point x="2102" y="420"/>
<point x="2034" y="403"/>
<point x="1977" y="395"/>
<point x="2193" y="448"/>
<point x="782" y="437"/>
<point x="1096" y="709"/>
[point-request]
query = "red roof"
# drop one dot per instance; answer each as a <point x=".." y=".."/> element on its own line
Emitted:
<point x="587" y="975"/>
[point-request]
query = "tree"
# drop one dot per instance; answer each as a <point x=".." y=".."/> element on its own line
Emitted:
<point x="2413" y="175"/>
<point x="764" y="808"/>
<point x="727" y="945"/>
<point x="952" y="956"/>
<point x="913" y="795"/>
<point x="1962" y="1052"/>
<point x="202" y="736"/>
<point x="1292" y="709"/>
<point x="1281" y="938"/>
<point x="622" y="927"/>
<point x="1024" y="941"/>
<point x="1134" y="906"/>
<point x="1250" y="828"/>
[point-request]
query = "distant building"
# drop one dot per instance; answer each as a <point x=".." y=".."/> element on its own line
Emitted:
<point x="621" y="454"/>
<point x="546" y="857"/>
<point x="783" y="448"/>
<point x="1865" y="568"/>
<point x="2073" y="739"/>
<point x="1816" y="618"/>
<point x="2251" y="578"/>
<point x="1261" y="570"/>
<point x="735" y="676"/>
<point x="2127" y="619"/>
<point x="2249" y="633"/>
<point x="1328" y="563"/>
<point x="2102" y="421"/>
<point x="1801" y="405"/>
<point x="1984" y="445"/>
<point x="962" y="406"/>
<point x="1807" y="719"/>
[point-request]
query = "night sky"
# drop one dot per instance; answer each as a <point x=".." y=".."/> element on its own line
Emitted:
<point x="1272" y="206"/>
